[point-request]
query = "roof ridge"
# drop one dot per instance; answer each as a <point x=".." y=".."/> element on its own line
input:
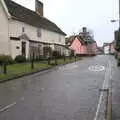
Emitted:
<point x="20" y="5"/>
<point x="23" y="14"/>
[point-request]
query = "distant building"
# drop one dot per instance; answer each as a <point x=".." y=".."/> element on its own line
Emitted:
<point x="81" y="48"/>
<point x="82" y="44"/>
<point x="78" y="47"/>
<point x="109" y="48"/>
<point x="106" y="47"/>
<point x="112" y="47"/>
<point x="100" y="50"/>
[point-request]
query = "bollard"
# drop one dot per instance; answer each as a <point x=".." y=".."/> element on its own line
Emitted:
<point x="49" y="60"/>
<point x="55" y="61"/>
<point x="32" y="62"/>
<point x="75" y="57"/>
<point x="64" y="58"/>
<point x="5" y="68"/>
<point x="69" y="58"/>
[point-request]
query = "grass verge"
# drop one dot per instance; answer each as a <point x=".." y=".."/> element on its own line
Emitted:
<point x="24" y="68"/>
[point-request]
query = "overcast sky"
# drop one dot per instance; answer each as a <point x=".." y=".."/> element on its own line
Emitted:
<point x="72" y="15"/>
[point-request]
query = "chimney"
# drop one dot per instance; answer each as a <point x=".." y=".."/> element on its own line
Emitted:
<point x="84" y="29"/>
<point x="39" y="8"/>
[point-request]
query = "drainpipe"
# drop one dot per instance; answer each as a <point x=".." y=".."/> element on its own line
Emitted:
<point x="10" y="51"/>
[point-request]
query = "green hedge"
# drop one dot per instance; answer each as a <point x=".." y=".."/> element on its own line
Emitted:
<point x="20" y="59"/>
<point x="118" y="61"/>
<point x="56" y="54"/>
<point x="117" y="48"/>
<point x="6" y="59"/>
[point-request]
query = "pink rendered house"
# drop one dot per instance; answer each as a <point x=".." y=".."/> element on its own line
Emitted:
<point x="78" y="47"/>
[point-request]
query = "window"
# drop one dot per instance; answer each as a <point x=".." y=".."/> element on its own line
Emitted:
<point x="38" y="32"/>
<point x="23" y="29"/>
<point x="17" y="47"/>
<point x="24" y="49"/>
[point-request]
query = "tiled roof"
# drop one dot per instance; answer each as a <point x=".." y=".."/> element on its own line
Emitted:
<point x="28" y="16"/>
<point x="70" y="40"/>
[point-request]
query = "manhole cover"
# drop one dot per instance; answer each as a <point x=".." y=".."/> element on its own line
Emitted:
<point x="96" y="68"/>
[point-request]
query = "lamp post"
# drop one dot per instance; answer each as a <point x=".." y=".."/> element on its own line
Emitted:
<point x="118" y="32"/>
<point x="119" y="16"/>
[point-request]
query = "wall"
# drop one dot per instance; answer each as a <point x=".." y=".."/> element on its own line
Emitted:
<point x="4" y="41"/>
<point x="106" y="49"/>
<point x="31" y="31"/>
<point x="92" y="49"/>
<point x="83" y="50"/>
<point x="112" y="48"/>
<point x="52" y="37"/>
<point x="14" y="50"/>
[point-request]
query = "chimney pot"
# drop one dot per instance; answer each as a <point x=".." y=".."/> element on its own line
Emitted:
<point x="39" y="8"/>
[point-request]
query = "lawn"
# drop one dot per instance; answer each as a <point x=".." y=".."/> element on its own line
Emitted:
<point x="19" y="69"/>
<point x="22" y="68"/>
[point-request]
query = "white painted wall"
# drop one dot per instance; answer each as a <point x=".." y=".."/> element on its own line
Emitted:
<point x="4" y="41"/>
<point x="31" y="31"/>
<point x="112" y="48"/>
<point x="14" y="50"/>
<point x="15" y="30"/>
<point x="106" y="49"/>
<point x="53" y="37"/>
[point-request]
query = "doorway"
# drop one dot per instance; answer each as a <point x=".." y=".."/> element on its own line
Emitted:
<point x="24" y="49"/>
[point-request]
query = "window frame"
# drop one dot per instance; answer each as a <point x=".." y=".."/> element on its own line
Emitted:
<point x="39" y="32"/>
<point x="23" y="29"/>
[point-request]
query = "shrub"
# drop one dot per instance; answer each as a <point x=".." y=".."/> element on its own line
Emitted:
<point x="117" y="48"/>
<point x="118" y="61"/>
<point x="6" y="59"/>
<point x="47" y="51"/>
<point x="20" y="59"/>
<point x="116" y="55"/>
<point x="56" y="54"/>
<point x="41" y="57"/>
<point x="72" y="53"/>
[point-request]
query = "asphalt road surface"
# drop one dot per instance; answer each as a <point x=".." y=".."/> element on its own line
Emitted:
<point x="69" y="92"/>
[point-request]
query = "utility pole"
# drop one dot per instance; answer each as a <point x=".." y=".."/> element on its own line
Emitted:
<point x="119" y="14"/>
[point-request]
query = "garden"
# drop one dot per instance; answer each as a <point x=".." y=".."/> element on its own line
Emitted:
<point x="11" y="68"/>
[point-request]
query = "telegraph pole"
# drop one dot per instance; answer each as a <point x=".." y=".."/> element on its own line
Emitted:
<point x="119" y="14"/>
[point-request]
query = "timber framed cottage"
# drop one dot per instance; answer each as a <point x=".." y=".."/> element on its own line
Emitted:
<point x="23" y="31"/>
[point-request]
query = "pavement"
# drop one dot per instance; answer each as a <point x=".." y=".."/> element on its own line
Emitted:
<point x="69" y="92"/>
<point x="115" y="91"/>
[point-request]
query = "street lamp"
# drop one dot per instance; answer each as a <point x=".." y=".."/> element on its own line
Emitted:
<point x="115" y="21"/>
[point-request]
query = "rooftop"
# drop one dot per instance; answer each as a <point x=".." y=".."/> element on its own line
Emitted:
<point x="30" y="17"/>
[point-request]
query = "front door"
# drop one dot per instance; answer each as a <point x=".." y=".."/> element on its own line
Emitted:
<point x="24" y="49"/>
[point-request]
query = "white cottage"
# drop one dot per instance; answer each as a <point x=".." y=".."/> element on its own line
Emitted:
<point x="23" y="30"/>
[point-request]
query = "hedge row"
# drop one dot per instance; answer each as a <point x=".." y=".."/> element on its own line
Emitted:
<point x="6" y="59"/>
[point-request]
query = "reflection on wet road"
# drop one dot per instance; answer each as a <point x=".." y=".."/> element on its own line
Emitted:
<point x="70" y="92"/>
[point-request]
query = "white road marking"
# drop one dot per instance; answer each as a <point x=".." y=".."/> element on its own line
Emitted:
<point x="96" y="68"/>
<point x="105" y="86"/>
<point x="7" y="107"/>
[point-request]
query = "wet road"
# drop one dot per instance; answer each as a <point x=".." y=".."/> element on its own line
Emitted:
<point x="70" y="92"/>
